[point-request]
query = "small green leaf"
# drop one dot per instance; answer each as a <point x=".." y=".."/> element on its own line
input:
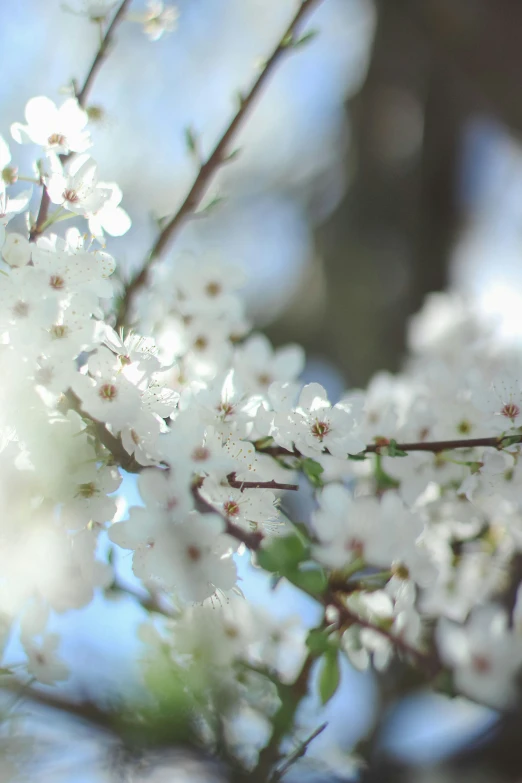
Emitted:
<point x="393" y="451"/>
<point x="312" y="471"/>
<point x="329" y="675"/>
<point x="311" y="580"/>
<point x="357" y="457"/>
<point x="233" y="155"/>
<point x="317" y="641"/>
<point x="306" y="38"/>
<point x="282" y="555"/>
<point x="191" y="140"/>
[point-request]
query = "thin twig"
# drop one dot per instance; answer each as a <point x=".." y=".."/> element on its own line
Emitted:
<point x="213" y="163"/>
<point x="283" y="720"/>
<point x="237" y="484"/>
<point x="81" y="96"/>
<point x="298" y="753"/>
<point x="102" y="53"/>
<point x="150" y="601"/>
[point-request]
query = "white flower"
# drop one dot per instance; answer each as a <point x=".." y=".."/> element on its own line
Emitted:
<point x="58" y="130"/>
<point x="8" y="174"/>
<point x="484" y="654"/>
<point x="90" y="488"/>
<point x="190" y="558"/>
<point x="16" y="250"/>
<point x="248" y="508"/>
<point x="258" y="365"/>
<point x="110" y="217"/>
<point x="320" y="426"/>
<point x="158" y="19"/>
<point x="11" y="206"/>
<point x="75" y="186"/>
<point x="501" y="402"/>
<point x="192" y="447"/>
<point x="71" y="269"/>
<point x="108" y="396"/>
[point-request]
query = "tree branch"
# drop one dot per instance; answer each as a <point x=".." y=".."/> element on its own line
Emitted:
<point x="435" y="446"/>
<point x="283" y="720"/>
<point x="236" y="484"/>
<point x="81" y="96"/>
<point x="101" y="54"/>
<point x="213" y="163"/>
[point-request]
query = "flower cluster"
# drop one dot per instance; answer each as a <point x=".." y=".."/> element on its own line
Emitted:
<point x="417" y="514"/>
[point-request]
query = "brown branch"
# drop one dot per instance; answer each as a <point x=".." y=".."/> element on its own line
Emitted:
<point x="84" y="710"/>
<point x="236" y="484"/>
<point x="113" y="444"/>
<point x="101" y="54"/>
<point x="435" y="446"/>
<point x="283" y="721"/>
<point x="213" y="163"/>
<point x="81" y="96"/>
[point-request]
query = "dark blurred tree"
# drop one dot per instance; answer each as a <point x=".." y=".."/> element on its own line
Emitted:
<point x="434" y="64"/>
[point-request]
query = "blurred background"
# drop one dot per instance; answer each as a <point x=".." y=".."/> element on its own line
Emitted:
<point x="382" y="163"/>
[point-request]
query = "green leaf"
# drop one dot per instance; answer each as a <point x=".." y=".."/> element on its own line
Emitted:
<point x="329" y="675"/>
<point x="282" y="555"/>
<point x="306" y="38"/>
<point x="317" y="641"/>
<point x="311" y="580"/>
<point x="264" y="443"/>
<point x="357" y="457"/>
<point x="233" y="155"/>
<point x="312" y="471"/>
<point x="191" y="140"/>
<point x="393" y="451"/>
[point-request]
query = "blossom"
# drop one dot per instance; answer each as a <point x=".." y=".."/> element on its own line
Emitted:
<point x="110" y="217"/>
<point x="109" y="398"/>
<point x="11" y="206"/>
<point x="319" y="425"/>
<point x="75" y="186"/>
<point x="157" y="19"/>
<point x="250" y="508"/>
<point x="258" y="365"/>
<point x="8" y="174"/>
<point x="189" y="558"/>
<point x="16" y="250"/>
<point x="484" y="655"/>
<point x="58" y="130"/>
<point x="71" y="269"/>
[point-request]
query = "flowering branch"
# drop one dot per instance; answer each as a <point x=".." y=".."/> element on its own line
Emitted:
<point x="81" y="96"/>
<point x="216" y="159"/>
<point x="425" y="660"/>
<point x="436" y="446"/>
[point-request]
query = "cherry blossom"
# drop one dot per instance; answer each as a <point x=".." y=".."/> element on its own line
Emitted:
<point x="57" y="130"/>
